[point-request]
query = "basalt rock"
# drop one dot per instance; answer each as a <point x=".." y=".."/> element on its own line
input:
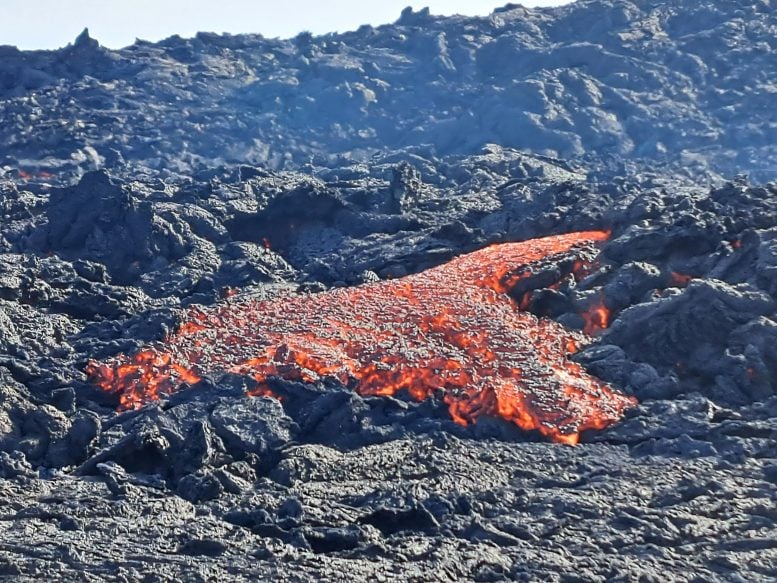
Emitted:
<point x="701" y="333"/>
<point x="661" y="82"/>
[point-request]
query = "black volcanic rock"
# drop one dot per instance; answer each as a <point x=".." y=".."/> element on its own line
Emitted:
<point x="85" y="42"/>
<point x="102" y="220"/>
<point x="692" y="332"/>
<point x="663" y="81"/>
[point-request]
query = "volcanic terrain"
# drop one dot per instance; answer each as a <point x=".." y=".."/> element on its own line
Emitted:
<point x="478" y="299"/>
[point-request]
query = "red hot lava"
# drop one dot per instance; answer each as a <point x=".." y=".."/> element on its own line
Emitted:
<point x="596" y="317"/>
<point x="450" y="331"/>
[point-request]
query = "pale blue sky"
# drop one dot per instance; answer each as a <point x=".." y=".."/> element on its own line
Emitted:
<point x="47" y="24"/>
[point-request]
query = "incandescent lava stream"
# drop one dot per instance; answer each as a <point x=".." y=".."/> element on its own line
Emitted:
<point x="452" y="330"/>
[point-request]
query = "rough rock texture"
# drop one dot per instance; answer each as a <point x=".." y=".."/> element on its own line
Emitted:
<point x="298" y="488"/>
<point x="140" y="182"/>
<point x="668" y="82"/>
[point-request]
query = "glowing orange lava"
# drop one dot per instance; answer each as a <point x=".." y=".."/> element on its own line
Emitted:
<point x="450" y="331"/>
<point x="596" y="317"/>
<point x="680" y="279"/>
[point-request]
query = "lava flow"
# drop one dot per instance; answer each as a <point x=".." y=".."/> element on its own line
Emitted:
<point x="451" y="331"/>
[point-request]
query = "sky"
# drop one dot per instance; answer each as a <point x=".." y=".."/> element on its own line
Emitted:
<point x="49" y="24"/>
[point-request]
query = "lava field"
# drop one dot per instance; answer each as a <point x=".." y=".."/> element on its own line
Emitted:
<point x="449" y="299"/>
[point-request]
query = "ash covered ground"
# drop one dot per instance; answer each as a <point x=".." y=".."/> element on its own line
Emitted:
<point x="144" y="182"/>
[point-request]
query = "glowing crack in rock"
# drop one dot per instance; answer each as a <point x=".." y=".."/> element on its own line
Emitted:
<point x="450" y="332"/>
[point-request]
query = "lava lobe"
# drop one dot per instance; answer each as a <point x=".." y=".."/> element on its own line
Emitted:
<point x="452" y="331"/>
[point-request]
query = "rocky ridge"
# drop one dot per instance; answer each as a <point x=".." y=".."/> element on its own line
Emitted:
<point x="661" y="82"/>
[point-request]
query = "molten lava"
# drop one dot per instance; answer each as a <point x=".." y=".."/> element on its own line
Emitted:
<point x="451" y="331"/>
<point x="680" y="279"/>
<point x="596" y="317"/>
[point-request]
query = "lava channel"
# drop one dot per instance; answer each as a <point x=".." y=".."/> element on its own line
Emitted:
<point x="451" y="332"/>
